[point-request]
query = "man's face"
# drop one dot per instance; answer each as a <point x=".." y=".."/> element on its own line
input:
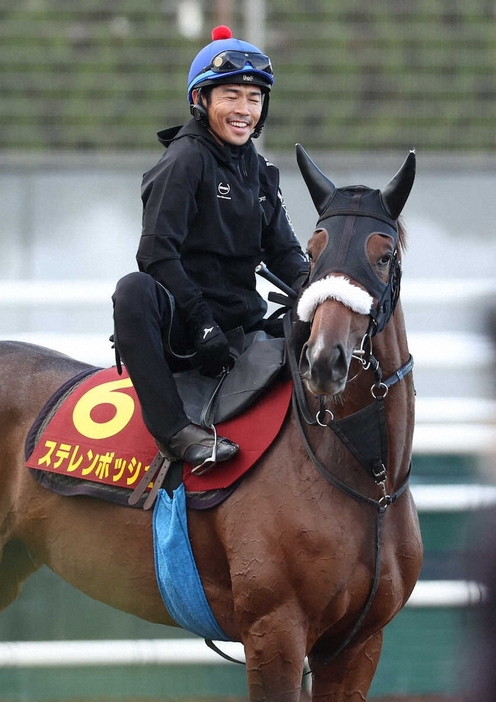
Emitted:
<point x="233" y="112"/>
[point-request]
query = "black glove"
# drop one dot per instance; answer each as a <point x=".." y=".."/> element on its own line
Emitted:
<point x="301" y="280"/>
<point x="212" y="349"/>
<point x="209" y="341"/>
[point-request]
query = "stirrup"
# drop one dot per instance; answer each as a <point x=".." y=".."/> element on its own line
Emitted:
<point x="211" y="460"/>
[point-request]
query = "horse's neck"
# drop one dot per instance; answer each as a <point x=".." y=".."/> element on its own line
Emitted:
<point x="391" y="350"/>
<point x="391" y="345"/>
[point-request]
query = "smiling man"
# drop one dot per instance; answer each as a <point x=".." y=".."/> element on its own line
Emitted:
<point x="212" y="211"/>
<point x="233" y="112"/>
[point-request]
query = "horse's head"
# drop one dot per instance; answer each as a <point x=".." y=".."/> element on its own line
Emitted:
<point x="355" y="275"/>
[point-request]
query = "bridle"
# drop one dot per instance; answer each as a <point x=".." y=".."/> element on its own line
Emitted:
<point x="369" y="422"/>
<point x="374" y="419"/>
<point x="346" y="253"/>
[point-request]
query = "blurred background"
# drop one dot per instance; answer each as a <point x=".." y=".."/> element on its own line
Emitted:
<point x="85" y="87"/>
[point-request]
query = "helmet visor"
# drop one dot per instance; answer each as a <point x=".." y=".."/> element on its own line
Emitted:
<point x="232" y="60"/>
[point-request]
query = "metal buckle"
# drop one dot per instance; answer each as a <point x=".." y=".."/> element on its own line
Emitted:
<point x="376" y="387"/>
<point x="364" y="352"/>
<point x="317" y="417"/>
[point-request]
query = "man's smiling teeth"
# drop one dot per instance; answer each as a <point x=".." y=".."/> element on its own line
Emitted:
<point x="238" y="124"/>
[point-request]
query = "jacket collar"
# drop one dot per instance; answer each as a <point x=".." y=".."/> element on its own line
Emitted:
<point x="227" y="153"/>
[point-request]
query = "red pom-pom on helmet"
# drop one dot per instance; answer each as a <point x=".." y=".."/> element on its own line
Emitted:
<point x="221" y="32"/>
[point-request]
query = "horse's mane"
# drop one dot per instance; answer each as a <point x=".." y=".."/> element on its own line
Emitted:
<point x="402" y="239"/>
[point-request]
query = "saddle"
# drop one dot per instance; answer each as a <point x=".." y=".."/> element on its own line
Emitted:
<point x="90" y="438"/>
<point x="258" y="359"/>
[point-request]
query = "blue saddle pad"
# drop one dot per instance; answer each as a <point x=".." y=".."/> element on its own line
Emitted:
<point x="177" y="575"/>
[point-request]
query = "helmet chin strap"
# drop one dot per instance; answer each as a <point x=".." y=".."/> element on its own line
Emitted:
<point x="263" y="116"/>
<point x="198" y="111"/>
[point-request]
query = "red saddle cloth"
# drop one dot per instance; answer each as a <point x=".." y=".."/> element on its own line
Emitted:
<point x="97" y="434"/>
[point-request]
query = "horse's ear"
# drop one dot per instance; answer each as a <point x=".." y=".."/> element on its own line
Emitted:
<point x="396" y="192"/>
<point x="319" y="186"/>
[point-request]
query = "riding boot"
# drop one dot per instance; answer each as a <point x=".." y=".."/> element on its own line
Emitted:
<point x="196" y="446"/>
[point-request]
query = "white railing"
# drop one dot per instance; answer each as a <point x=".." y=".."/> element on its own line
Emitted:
<point x="447" y="350"/>
<point x="60" y="654"/>
<point x="16" y="293"/>
<point x="427" y="593"/>
<point x="78" y="654"/>
<point x="55" y="654"/>
<point x="432" y="349"/>
<point x="442" y="425"/>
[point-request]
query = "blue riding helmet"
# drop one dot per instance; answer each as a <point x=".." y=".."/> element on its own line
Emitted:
<point x="229" y="60"/>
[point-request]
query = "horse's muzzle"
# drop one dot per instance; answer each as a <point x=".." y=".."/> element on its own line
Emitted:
<point x="324" y="370"/>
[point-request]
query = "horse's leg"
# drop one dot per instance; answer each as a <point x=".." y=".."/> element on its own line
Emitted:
<point x="274" y="644"/>
<point x="16" y="565"/>
<point x="349" y="676"/>
<point x="250" y="592"/>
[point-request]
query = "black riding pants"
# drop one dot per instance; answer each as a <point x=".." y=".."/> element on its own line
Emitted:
<point x="143" y="317"/>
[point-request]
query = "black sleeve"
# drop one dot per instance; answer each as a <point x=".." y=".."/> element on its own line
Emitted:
<point x="283" y="254"/>
<point x="169" y="206"/>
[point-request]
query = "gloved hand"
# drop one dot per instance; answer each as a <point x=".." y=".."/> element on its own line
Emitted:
<point x="300" y="280"/>
<point x="212" y="349"/>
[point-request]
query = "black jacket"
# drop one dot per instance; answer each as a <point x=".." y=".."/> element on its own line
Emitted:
<point x="211" y="213"/>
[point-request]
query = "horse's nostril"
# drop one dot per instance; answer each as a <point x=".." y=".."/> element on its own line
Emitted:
<point x="338" y="357"/>
<point x="337" y="362"/>
<point x="324" y="363"/>
<point x="304" y="360"/>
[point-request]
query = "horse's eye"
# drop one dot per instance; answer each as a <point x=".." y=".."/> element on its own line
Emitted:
<point x="385" y="260"/>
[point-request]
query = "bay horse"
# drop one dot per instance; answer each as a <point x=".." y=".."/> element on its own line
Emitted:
<point x="319" y="547"/>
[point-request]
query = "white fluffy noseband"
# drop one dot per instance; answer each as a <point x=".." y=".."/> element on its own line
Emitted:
<point x="334" y="288"/>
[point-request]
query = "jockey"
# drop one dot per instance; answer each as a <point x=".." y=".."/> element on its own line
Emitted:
<point x="212" y="210"/>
